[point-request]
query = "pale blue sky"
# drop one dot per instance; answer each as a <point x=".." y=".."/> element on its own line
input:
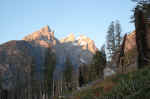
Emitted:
<point x="19" y="18"/>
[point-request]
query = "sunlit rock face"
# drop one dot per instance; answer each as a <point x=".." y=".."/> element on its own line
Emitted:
<point x="77" y="49"/>
<point x="130" y="42"/>
<point x="69" y="38"/>
<point x="41" y="40"/>
<point x="80" y="49"/>
<point x="44" y="34"/>
<point x="87" y="43"/>
<point x="20" y="55"/>
<point x="126" y="58"/>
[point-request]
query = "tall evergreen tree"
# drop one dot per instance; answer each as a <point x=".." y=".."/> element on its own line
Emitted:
<point x="68" y="73"/>
<point x="84" y="74"/>
<point x="81" y="77"/>
<point x="34" y="86"/>
<point x="111" y="40"/>
<point x="103" y="50"/>
<point x="50" y="62"/>
<point x="98" y="65"/>
<point x="118" y="37"/>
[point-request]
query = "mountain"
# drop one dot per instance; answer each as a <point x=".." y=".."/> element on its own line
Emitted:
<point x="16" y="59"/>
<point x="41" y="40"/>
<point x="44" y="35"/>
<point x="125" y="60"/>
<point x="77" y="49"/>
<point x="130" y="42"/>
<point x="81" y="48"/>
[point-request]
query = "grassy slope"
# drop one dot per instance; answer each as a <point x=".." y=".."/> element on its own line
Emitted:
<point x="133" y="85"/>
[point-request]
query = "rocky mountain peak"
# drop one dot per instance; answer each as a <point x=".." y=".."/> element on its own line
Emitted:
<point x="45" y="29"/>
<point x="44" y="33"/>
<point x="87" y="43"/>
<point x="69" y="38"/>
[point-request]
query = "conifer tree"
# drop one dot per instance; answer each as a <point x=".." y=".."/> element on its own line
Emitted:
<point x="68" y="73"/>
<point x="118" y="37"/>
<point x="98" y="65"/>
<point x="50" y="62"/>
<point x="111" y="40"/>
<point x="103" y="50"/>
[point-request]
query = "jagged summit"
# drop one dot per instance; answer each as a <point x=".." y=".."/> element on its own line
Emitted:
<point x="83" y="41"/>
<point x="45" y="36"/>
<point x="45" y="29"/>
<point x="35" y="46"/>
<point x="69" y="38"/>
<point x="44" y="33"/>
<point x="82" y="37"/>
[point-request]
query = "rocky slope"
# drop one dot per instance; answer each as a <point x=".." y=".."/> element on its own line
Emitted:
<point x="16" y="59"/>
<point x="126" y="58"/>
<point x="78" y="50"/>
<point x="81" y="48"/>
<point x="19" y="56"/>
<point x="44" y="35"/>
<point x="130" y="41"/>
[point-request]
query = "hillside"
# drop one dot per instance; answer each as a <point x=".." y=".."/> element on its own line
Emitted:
<point x="23" y="62"/>
<point x="133" y="85"/>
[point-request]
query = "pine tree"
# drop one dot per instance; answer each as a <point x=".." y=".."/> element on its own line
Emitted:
<point x="68" y="73"/>
<point x="97" y="66"/>
<point x="118" y="37"/>
<point x="50" y="62"/>
<point x="81" y="78"/>
<point x="33" y="87"/>
<point x="103" y="50"/>
<point x="111" y="40"/>
<point x="84" y="74"/>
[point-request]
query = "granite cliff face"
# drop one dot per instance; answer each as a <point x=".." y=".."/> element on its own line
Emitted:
<point x="41" y="40"/>
<point x="19" y="56"/>
<point x="81" y="48"/>
<point x="84" y="42"/>
<point x="16" y="59"/>
<point x="130" y="42"/>
<point x="126" y="58"/>
<point x="78" y="50"/>
<point x="45" y="35"/>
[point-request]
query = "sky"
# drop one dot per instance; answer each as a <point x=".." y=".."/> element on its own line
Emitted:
<point x="19" y="18"/>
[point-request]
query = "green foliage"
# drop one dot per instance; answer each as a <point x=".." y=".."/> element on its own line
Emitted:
<point x="35" y="84"/>
<point x="118" y="37"/>
<point x="130" y="56"/>
<point x="84" y="74"/>
<point x="113" y="38"/>
<point x="97" y="66"/>
<point x="67" y="73"/>
<point x="1" y="80"/>
<point x="134" y="85"/>
<point x="50" y="62"/>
